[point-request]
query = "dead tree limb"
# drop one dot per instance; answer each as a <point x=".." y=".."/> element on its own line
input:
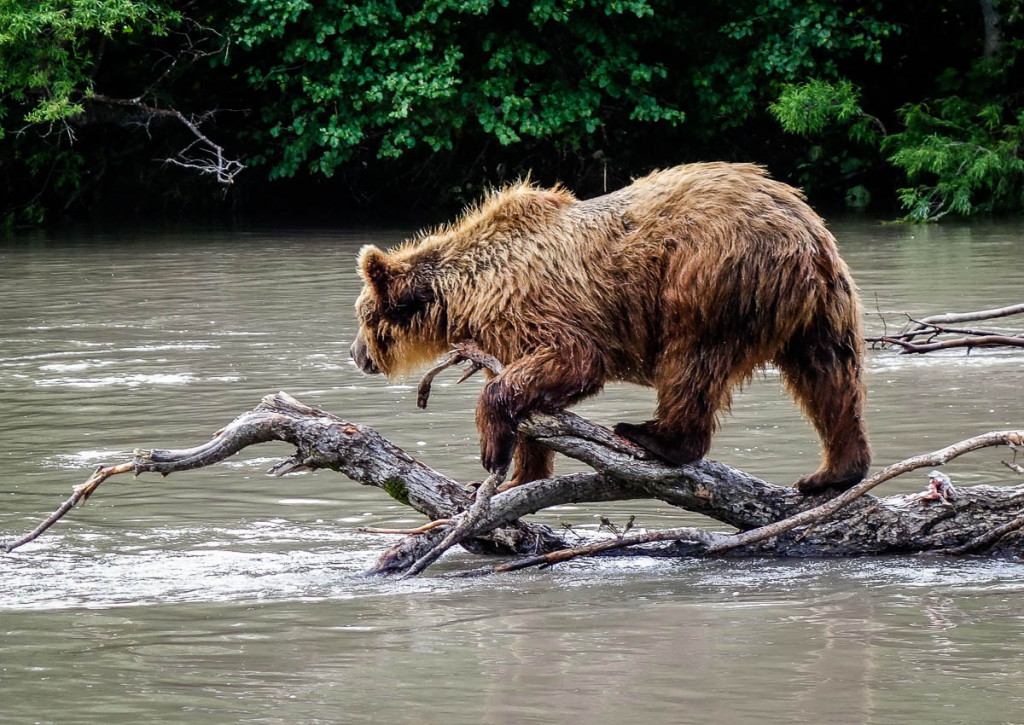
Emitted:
<point x="968" y="342"/>
<point x="955" y="317"/>
<point x="934" y="327"/>
<point x="772" y="520"/>
<point x="202" y="155"/>
<point x="79" y="494"/>
<point x="851" y="524"/>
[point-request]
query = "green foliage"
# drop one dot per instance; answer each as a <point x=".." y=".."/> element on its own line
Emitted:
<point x="814" y="107"/>
<point x="49" y="56"/>
<point x="830" y="113"/>
<point x="48" y="51"/>
<point x="345" y="78"/>
<point x="793" y="39"/>
<point x="432" y="95"/>
<point x="965" y="156"/>
<point x="960" y="150"/>
<point x="772" y="43"/>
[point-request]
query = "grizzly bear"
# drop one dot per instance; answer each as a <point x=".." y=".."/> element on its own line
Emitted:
<point x="688" y="280"/>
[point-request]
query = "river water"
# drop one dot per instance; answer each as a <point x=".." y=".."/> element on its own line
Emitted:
<point x="222" y="595"/>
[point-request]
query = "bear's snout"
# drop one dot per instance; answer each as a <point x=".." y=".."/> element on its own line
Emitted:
<point x="361" y="356"/>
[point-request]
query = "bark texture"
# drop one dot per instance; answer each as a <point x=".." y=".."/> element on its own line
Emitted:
<point x="772" y="520"/>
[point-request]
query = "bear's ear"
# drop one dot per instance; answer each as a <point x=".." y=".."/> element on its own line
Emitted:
<point x="378" y="271"/>
<point x="402" y="289"/>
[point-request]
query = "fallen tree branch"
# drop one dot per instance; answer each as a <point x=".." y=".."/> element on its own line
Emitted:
<point x="935" y="326"/>
<point x="208" y="157"/>
<point x="772" y="520"/>
<point x="968" y="342"/>
<point x="990" y="314"/>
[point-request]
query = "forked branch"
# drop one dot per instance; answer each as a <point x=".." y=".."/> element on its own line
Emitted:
<point x="935" y="331"/>
<point x="202" y="155"/>
<point x="771" y="520"/>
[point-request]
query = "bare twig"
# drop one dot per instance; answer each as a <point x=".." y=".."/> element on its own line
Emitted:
<point x="463" y="352"/>
<point x="464" y="527"/>
<point x="80" y="493"/>
<point x="213" y="160"/>
<point x="406" y="532"/>
<point x="700" y="539"/>
<point x="1014" y="466"/>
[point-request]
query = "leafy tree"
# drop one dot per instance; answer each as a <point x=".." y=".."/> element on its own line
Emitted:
<point x="379" y="78"/>
<point x="50" y="49"/>
<point x="396" y="98"/>
<point x="86" y="85"/>
<point x="49" y="53"/>
<point x="772" y="44"/>
<point x="961" y="149"/>
<point x="965" y="157"/>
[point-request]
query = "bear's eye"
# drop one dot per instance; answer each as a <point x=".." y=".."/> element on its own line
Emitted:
<point x="405" y="305"/>
<point x="403" y="314"/>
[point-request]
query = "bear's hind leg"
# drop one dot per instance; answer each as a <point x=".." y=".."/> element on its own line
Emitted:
<point x="822" y="370"/>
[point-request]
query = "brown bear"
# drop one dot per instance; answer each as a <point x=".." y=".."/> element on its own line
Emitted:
<point x="688" y="280"/>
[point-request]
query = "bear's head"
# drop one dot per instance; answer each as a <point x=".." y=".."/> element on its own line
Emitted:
<point x="401" y="316"/>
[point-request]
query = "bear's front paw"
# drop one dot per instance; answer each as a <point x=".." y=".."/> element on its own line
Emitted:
<point x="497" y="443"/>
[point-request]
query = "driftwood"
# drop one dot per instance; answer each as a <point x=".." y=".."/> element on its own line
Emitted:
<point x="935" y="331"/>
<point x="772" y="520"/>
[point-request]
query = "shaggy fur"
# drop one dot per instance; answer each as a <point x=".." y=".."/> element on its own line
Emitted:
<point x="687" y="280"/>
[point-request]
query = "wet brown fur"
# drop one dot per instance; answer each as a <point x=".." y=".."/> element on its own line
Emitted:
<point x="687" y="280"/>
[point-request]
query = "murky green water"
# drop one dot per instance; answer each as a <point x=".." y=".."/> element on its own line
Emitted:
<point x="223" y="596"/>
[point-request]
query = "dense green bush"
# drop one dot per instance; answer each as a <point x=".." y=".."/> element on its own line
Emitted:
<point x="346" y="77"/>
<point x="958" y="144"/>
<point x="50" y="52"/>
<point x="400" y="100"/>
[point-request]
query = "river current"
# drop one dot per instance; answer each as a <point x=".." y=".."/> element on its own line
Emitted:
<point x="223" y="595"/>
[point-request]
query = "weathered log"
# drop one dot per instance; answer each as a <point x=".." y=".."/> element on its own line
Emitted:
<point x="980" y="518"/>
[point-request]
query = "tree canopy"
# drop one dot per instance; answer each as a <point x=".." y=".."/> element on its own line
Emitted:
<point x="290" y="105"/>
